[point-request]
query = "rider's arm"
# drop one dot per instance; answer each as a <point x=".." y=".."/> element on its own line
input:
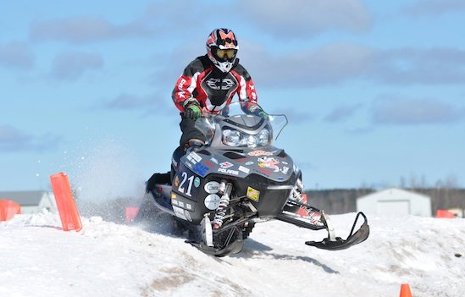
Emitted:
<point x="247" y="93"/>
<point x="246" y="90"/>
<point x="182" y="94"/>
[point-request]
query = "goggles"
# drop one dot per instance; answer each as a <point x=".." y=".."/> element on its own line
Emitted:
<point x="226" y="53"/>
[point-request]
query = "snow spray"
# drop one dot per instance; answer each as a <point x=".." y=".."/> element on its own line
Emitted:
<point x="106" y="178"/>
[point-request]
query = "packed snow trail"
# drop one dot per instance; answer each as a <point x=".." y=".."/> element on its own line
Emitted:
<point x="108" y="260"/>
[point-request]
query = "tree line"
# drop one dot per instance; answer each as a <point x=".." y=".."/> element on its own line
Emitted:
<point x="338" y="201"/>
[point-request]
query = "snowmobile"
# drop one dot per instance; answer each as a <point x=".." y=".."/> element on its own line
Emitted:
<point x="220" y="190"/>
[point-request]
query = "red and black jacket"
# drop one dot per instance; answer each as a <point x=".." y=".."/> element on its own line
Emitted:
<point x="213" y="89"/>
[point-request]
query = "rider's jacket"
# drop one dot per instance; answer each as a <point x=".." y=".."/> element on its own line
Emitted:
<point x="212" y="88"/>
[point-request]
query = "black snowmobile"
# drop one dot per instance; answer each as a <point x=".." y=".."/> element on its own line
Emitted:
<point x="220" y="190"/>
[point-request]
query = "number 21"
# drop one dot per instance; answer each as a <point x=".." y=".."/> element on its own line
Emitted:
<point x="183" y="181"/>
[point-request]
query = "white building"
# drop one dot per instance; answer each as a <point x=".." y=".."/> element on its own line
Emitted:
<point x="395" y="202"/>
<point x="31" y="201"/>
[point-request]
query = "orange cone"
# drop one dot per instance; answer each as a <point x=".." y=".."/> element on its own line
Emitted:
<point x="8" y="209"/>
<point x="69" y="213"/>
<point x="405" y="291"/>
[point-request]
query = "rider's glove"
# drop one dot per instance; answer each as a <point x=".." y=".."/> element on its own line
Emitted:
<point x="192" y="111"/>
<point x="263" y="115"/>
<point x="258" y="111"/>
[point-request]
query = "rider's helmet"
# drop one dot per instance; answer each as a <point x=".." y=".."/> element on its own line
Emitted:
<point x="222" y="48"/>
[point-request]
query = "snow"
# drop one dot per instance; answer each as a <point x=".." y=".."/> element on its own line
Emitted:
<point x="106" y="259"/>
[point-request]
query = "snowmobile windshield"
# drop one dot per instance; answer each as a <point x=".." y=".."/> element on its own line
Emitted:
<point x="236" y="127"/>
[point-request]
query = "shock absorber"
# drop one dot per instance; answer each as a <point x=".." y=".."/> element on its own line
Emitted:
<point x="220" y="212"/>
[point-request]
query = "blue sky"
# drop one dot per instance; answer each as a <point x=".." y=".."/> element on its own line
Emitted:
<point x="373" y="89"/>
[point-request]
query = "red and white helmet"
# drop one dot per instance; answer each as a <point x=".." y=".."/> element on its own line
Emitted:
<point x="222" y="48"/>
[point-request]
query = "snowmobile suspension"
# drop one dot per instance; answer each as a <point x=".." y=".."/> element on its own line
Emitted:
<point x="220" y="212"/>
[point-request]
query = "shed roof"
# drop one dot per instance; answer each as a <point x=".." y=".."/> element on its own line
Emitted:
<point x="394" y="193"/>
<point x="25" y="198"/>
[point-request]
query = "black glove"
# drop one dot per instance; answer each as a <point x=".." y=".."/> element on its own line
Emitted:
<point x="192" y="111"/>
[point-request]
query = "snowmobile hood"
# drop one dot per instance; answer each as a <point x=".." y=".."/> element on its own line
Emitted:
<point x="270" y="162"/>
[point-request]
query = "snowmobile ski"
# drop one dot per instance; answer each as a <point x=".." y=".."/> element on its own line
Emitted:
<point x="337" y="243"/>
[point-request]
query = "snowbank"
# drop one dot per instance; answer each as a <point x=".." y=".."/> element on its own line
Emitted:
<point x="106" y="259"/>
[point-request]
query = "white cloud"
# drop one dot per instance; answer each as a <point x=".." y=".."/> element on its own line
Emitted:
<point x="341" y="62"/>
<point x="86" y="29"/>
<point x="72" y="65"/>
<point x="148" y="104"/>
<point x="14" y="140"/>
<point x="398" y="111"/>
<point x="16" y="55"/>
<point x="333" y="63"/>
<point x="434" y="7"/>
<point x="126" y="101"/>
<point x="342" y="112"/>
<point x="160" y="20"/>
<point x="304" y="18"/>
<point x="420" y="66"/>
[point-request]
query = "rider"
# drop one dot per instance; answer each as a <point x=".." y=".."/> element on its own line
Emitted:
<point x="209" y="83"/>
<point x="207" y="86"/>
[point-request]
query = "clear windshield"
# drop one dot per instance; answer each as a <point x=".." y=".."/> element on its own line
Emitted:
<point x="211" y="124"/>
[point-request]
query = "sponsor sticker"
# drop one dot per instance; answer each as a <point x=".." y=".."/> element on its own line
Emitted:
<point x="264" y="171"/>
<point x="196" y="182"/>
<point x="269" y="162"/>
<point x="212" y="187"/>
<point x="259" y="153"/>
<point x="244" y="169"/>
<point x="208" y="163"/>
<point x="179" y="212"/>
<point x="176" y="181"/>
<point x="195" y="156"/>
<point x="200" y="169"/>
<point x="253" y="194"/>
<point x="226" y="165"/>
<point x="228" y="171"/>
<point x="212" y="201"/>
<point x="191" y="160"/>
